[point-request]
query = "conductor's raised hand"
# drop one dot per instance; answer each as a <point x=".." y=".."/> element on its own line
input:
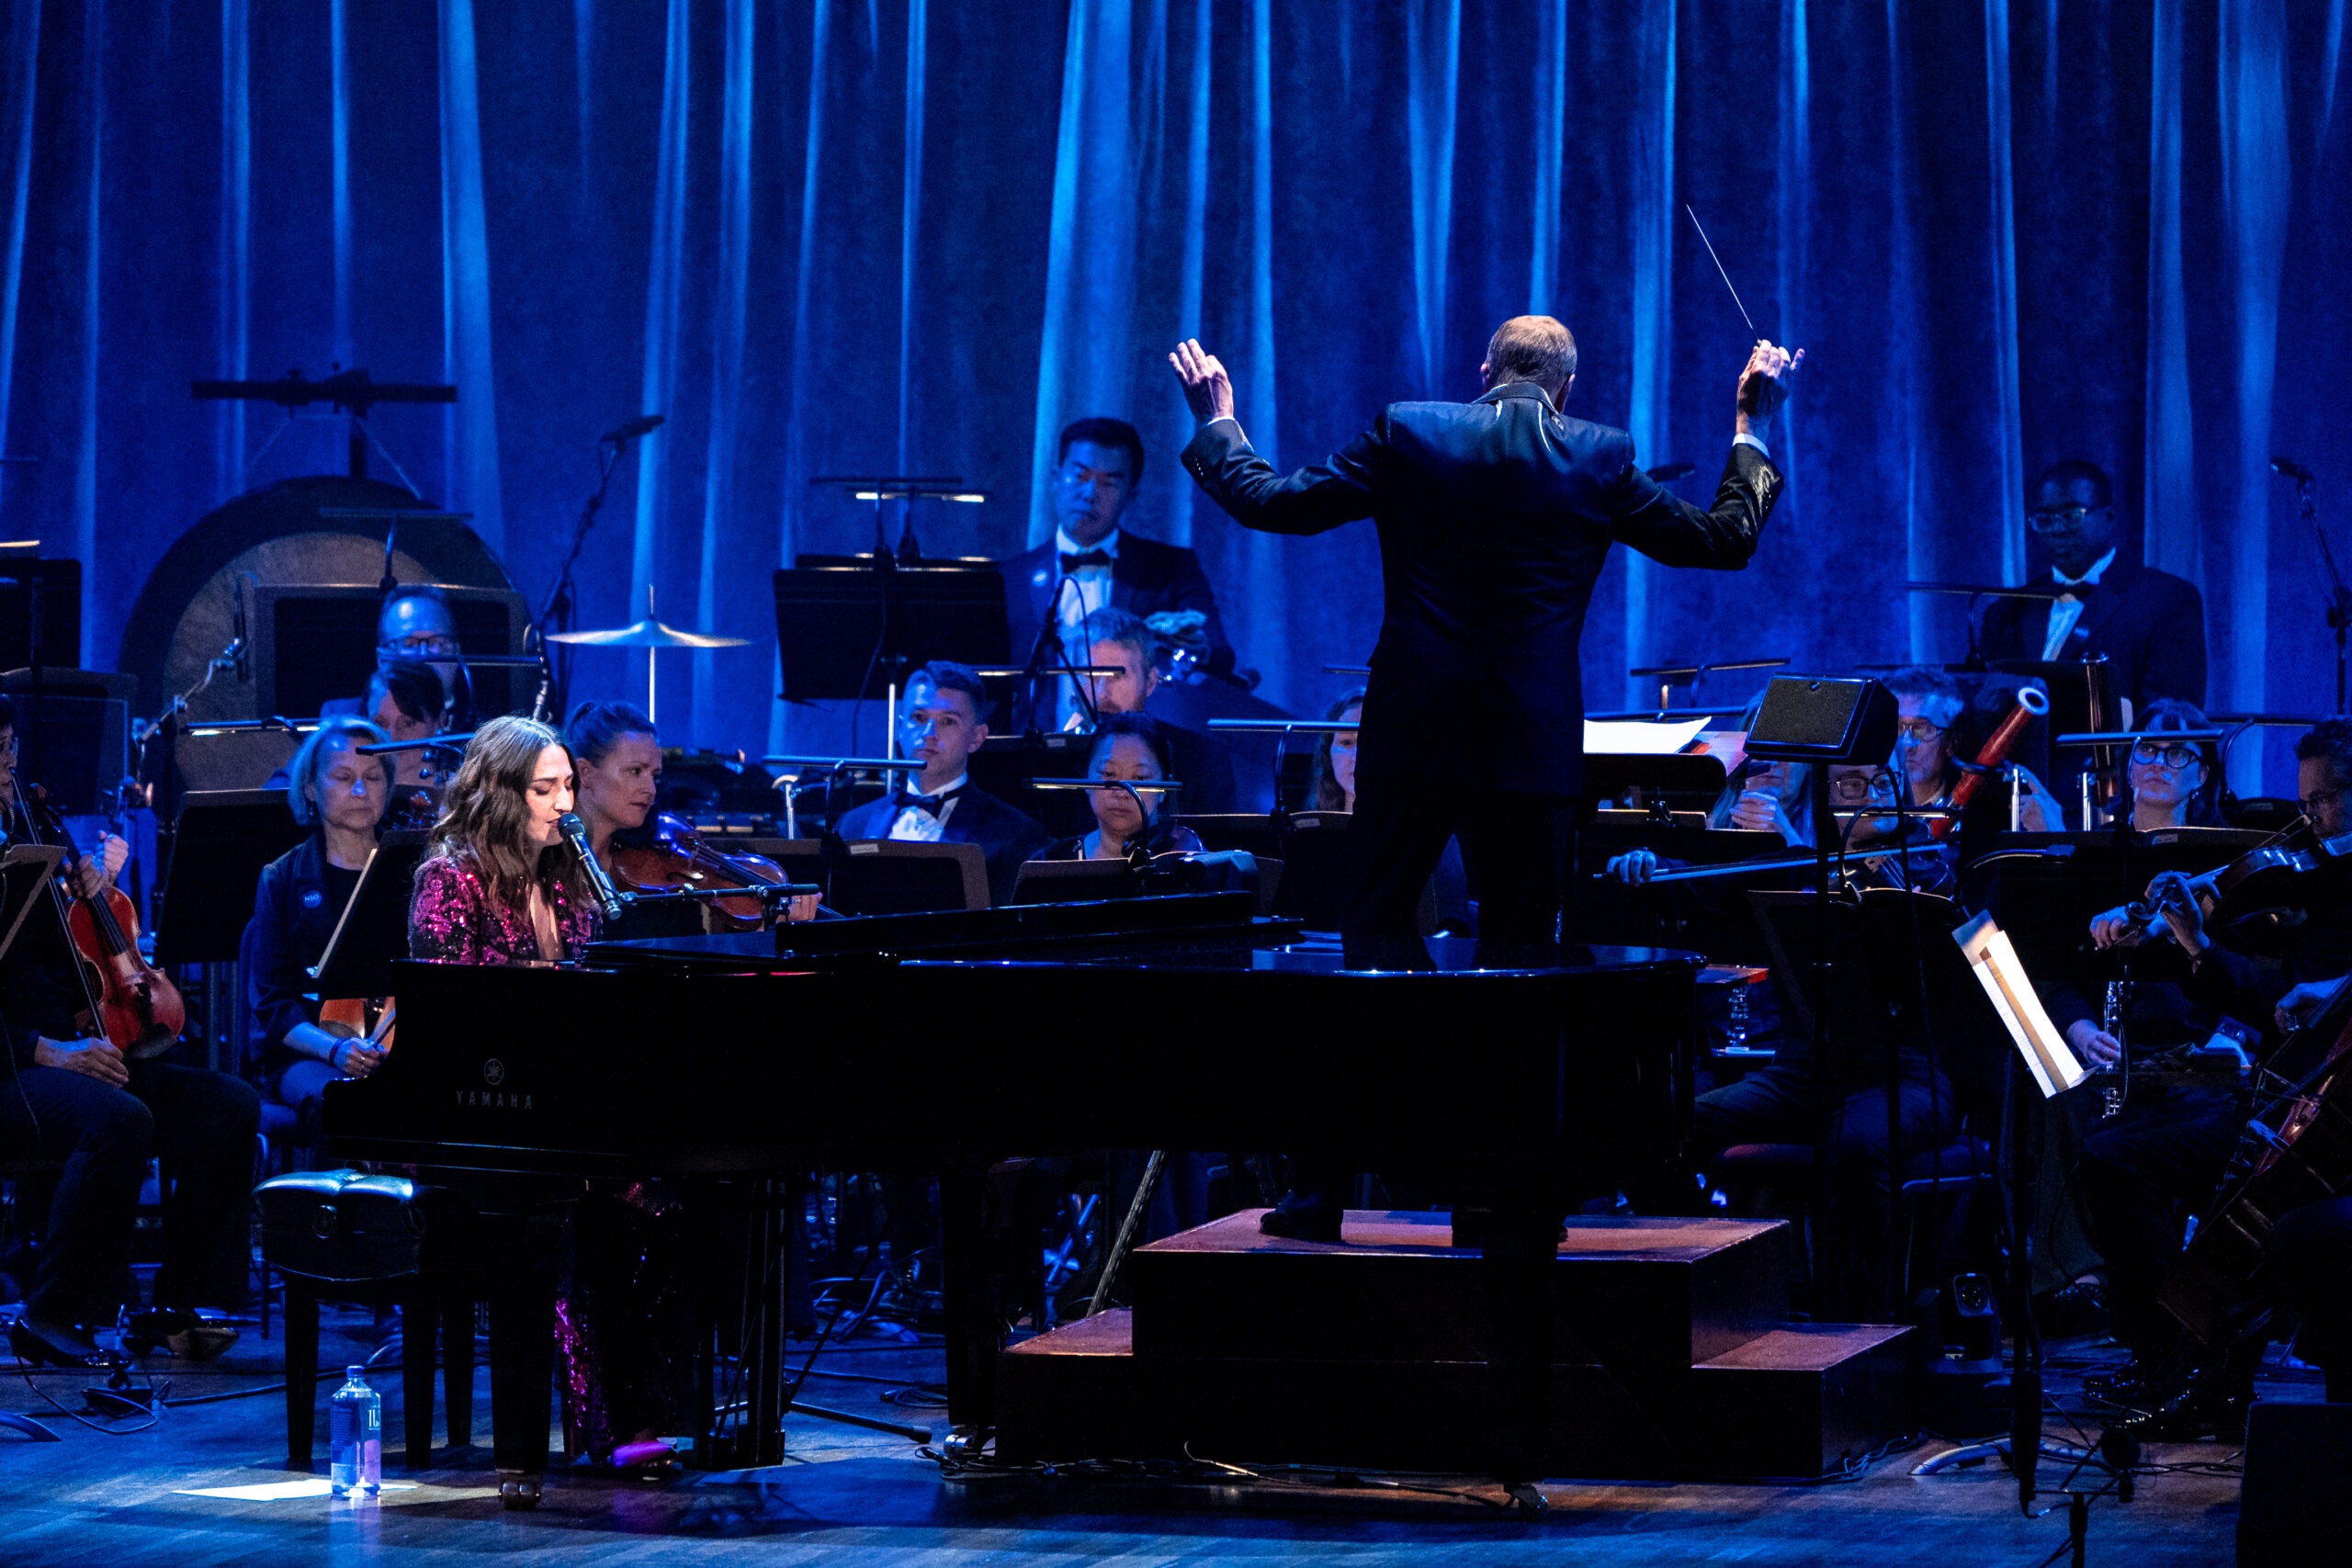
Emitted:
<point x="1208" y="391"/>
<point x="1764" y="382"/>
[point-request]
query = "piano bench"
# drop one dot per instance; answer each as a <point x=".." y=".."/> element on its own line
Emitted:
<point x="378" y="1241"/>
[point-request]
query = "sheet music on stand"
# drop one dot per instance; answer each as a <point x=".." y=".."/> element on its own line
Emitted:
<point x="2054" y="1063"/>
<point x="373" y="930"/>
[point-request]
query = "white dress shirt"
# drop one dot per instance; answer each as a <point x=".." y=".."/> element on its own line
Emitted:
<point x="914" y="825"/>
<point x="2064" y="612"/>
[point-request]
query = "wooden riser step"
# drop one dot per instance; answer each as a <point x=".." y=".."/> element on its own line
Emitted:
<point x="1646" y="1297"/>
<point x="1790" y="1401"/>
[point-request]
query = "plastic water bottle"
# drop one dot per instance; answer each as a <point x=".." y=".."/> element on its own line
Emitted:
<point x="355" y="1425"/>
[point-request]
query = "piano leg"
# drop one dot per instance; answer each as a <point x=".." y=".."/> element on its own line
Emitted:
<point x="420" y="1331"/>
<point x="458" y="1363"/>
<point x="522" y="1349"/>
<point x="973" y="1334"/>
<point x="763" y="1300"/>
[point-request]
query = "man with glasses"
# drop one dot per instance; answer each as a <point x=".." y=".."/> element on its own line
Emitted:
<point x="2150" y="623"/>
<point x="417" y="625"/>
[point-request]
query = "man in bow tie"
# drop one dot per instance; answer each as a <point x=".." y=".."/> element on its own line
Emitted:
<point x="943" y="723"/>
<point x="2150" y="623"/>
<point x="1092" y="562"/>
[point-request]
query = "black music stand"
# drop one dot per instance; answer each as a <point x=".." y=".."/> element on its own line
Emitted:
<point x="220" y="840"/>
<point x="1712" y="918"/>
<point x="1074" y="881"/>
<point x="373" y="931"/>
<point x="889" y="876"/>
<point x="842" y="625"/>
<point x="1681" y="779"/>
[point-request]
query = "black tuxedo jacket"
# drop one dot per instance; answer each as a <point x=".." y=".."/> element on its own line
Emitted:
<point x="2150" y="623"/>
<point x="1006" y="834"/>
<point x="1495" y="518"/>
<point x="1148" y="577"/>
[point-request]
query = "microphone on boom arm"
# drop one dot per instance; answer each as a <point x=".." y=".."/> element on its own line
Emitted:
<point x="575" y="833"/>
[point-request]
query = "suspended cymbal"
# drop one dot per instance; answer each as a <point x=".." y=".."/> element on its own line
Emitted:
<point x="648" y="632"/>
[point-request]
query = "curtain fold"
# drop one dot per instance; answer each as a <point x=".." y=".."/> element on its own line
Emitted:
<point x="837" y="237"/>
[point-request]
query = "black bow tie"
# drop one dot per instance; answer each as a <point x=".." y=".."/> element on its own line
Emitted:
<point x="1085" y="558"/>
<point x="932" y="804"/>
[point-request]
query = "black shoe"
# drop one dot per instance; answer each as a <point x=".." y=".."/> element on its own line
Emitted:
<point x="178" y="1330"/>
<point x="54" y="1345"/>
<point x="2077" y="1310"/>
<point x="2127" y="1384"/>
<point x="1312" y="1218"/>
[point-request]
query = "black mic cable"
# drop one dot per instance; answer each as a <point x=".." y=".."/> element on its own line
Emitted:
<point x="575" y="833"/>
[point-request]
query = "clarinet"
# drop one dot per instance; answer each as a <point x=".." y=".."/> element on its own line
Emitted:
<point x="2117" y="1077"/>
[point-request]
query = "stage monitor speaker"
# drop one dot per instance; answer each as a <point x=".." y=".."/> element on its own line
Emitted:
<point x="1813" y="718"/>
<point x="2291" y="1508"/>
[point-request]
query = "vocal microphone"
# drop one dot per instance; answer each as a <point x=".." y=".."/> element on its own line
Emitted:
<point x="575" y="833"/>
<point x="641" y="425"/>
<point x="2292" y="469"/>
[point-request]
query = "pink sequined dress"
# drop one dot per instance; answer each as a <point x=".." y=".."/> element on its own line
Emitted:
<point x="454" y="917"/>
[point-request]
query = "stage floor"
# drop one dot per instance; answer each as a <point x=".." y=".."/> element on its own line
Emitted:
<point x="850" y="1495"/>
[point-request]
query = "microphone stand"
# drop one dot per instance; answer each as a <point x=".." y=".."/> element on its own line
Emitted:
<point x="2339" y="598"/>
<point x="556" y="613"/>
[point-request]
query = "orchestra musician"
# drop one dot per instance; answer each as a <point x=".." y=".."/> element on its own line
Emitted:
<point x="1335" y="757"/>
<point x="1132" y="747"/>
<point x="2149" y="624"/>
<point x="416" y="623"/>
<point x="341" y="796"/>
<point x="2143" y="1170"/>
<point x="1759" y="796"/>
<point x="1929" y="708"/>
<point x="943" y="723"/>
<point x="1093" y="563"/>
<point x="405" y="700"/>
<point x="1119" y="641"/>
<point x="78" y="1099"/>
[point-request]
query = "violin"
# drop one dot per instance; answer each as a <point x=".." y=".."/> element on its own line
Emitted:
<point x="2279" y="874"/>
<point x="679" y="857"/>
<point x="135" y="1005"/>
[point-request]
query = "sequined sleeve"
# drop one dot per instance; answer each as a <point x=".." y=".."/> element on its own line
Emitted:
<point x="444" y="913"/>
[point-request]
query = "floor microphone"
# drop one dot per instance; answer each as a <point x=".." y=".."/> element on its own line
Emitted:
<point x="575" y="833"/>
<point x="2292" y="469"/>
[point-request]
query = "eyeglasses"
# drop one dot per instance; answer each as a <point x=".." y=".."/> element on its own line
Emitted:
<point x="422" y="644"/>
<point x="1854" y="786"/>
<point x="1920" y="730"/>
<point x="2044" y="519"/>
<point x="2148" y="753"/>
<point x="2311" y="802"/>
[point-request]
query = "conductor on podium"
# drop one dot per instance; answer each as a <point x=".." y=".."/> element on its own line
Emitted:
<point x="1495" y="518"/>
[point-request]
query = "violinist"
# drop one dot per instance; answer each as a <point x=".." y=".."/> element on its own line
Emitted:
<point x="943" y="723"/>
<point x="619" y="756"/>
<point x="1132" y="747"/>
<point x="78" y="1099"/>
<point x="2145" y="1169"/>
<point x="340" y="793"/>
<point x="404" y="700"/>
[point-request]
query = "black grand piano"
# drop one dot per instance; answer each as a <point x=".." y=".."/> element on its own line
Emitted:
<point x="1176" y="1021"/>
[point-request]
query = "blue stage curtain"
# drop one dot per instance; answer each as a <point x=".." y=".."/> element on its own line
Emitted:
<point x="843" y="236"/>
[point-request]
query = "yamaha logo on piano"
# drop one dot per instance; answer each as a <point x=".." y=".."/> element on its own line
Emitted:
<point x="493" y="1073"/>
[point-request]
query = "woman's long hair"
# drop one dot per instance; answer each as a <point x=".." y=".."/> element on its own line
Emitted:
<point x="487" y="808"/>
<point x="1325" y="794"/>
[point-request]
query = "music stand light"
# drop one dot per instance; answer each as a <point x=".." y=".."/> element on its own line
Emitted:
<point x="1995" y="963"/>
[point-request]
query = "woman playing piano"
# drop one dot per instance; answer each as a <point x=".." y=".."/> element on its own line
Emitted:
<point x="501" y="886"/>
<point x="341" y="794"/>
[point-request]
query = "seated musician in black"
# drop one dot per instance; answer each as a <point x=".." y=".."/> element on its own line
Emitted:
<point x="944" y="722"/>
<point x="1759" y="796"/>
<point x="76" y="1097"/>
<point x="1932" y="737"/>
<point x="1132" y="747"/>
<point x="2146" y="1170"/>
<point x="1781" y="1104"/>
<point x="341" y="794"/>
<point x="1118" y="640"/>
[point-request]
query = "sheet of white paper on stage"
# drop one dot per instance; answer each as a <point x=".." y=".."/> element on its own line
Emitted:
<point x="1994" y="962"/>
<point x="1640" y="737"/>
<point x="283" y="1491"/>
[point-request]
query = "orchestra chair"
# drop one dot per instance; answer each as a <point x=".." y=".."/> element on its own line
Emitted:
<point x="379" y="1241"/>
